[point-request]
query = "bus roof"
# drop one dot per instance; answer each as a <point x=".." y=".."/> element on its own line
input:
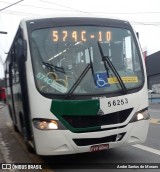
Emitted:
<point x="69" y="15"/>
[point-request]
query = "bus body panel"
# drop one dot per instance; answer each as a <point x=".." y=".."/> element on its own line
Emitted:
<point x="61" y="142"/>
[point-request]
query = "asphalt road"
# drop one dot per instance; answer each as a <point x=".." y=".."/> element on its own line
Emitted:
<point x="13" y="150"/>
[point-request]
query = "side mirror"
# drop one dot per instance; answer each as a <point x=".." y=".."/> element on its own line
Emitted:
<point x="21" y="50"/>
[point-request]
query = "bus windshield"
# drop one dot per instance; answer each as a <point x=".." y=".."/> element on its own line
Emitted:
<point x="68" y="60"/>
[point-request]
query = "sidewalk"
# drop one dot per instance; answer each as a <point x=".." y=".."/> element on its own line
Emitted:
<point x="1" y="146"/>
<point x="2" y="151"/>
<point x="1" y="156"/>
<point x="1" y="105"/>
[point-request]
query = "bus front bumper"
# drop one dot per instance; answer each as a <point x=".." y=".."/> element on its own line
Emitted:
<point x="61" y="142"/>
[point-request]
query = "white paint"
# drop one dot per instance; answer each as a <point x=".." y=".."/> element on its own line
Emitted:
<point x="148" y="149"/>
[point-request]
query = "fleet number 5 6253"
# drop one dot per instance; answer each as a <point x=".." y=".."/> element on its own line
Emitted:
<point x="118" y="102"/>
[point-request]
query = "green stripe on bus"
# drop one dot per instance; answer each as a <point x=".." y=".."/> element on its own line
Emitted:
<point x="61" y="108"/>
<point x="75" y="107"/>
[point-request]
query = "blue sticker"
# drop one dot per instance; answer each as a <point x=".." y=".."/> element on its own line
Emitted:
<point x="101" y="80"/>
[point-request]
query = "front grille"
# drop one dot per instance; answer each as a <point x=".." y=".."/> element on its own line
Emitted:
<point x="92" y="121"/>
<point x="92" y="141"/>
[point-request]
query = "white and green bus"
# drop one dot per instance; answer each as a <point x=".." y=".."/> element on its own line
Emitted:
<point x="77" y="84"/>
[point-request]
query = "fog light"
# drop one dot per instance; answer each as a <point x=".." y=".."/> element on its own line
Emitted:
<point x="45" y="124"/>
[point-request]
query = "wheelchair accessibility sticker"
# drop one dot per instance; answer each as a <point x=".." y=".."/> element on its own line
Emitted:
<point x="101" y="80"/>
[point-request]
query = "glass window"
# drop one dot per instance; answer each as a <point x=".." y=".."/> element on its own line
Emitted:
<point x="68" y="60"/>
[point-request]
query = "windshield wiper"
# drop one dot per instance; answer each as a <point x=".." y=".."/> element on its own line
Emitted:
<point x="54" y="68"/>
<point x="110" y="64"/>
<point x="85" y="71"/>
<point x="88" y="67"/>
<point x="91" y="66"/>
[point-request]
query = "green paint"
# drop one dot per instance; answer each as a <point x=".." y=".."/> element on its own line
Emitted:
<point x="75" y="107"/>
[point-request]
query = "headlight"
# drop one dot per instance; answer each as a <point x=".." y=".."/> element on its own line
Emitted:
<point x="141" y="115"/>
<point x="45" y="124"/>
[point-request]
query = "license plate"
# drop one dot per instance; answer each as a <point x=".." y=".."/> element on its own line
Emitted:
<point x="97" y="148"/>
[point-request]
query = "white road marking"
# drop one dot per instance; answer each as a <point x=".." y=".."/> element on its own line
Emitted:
<point x="148" y="149"/>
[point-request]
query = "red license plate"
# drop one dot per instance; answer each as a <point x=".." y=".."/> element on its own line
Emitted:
<point x="97" y="148"/>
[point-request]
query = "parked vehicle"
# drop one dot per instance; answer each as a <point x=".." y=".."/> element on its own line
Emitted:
<point x="2" y="94"/>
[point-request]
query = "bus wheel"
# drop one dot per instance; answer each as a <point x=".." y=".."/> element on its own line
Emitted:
<point x="11" y="116"/>
<point x="29" y="148"/>
<point x="10" y="112"/>
<point x="15" y="128"/>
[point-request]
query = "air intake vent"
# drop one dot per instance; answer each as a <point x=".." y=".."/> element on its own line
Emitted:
<point x="92" y="121"/>
<point x="92" y="141"/>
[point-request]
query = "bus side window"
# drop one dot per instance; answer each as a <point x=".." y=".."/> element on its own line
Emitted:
<point x="15" y="66"/>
